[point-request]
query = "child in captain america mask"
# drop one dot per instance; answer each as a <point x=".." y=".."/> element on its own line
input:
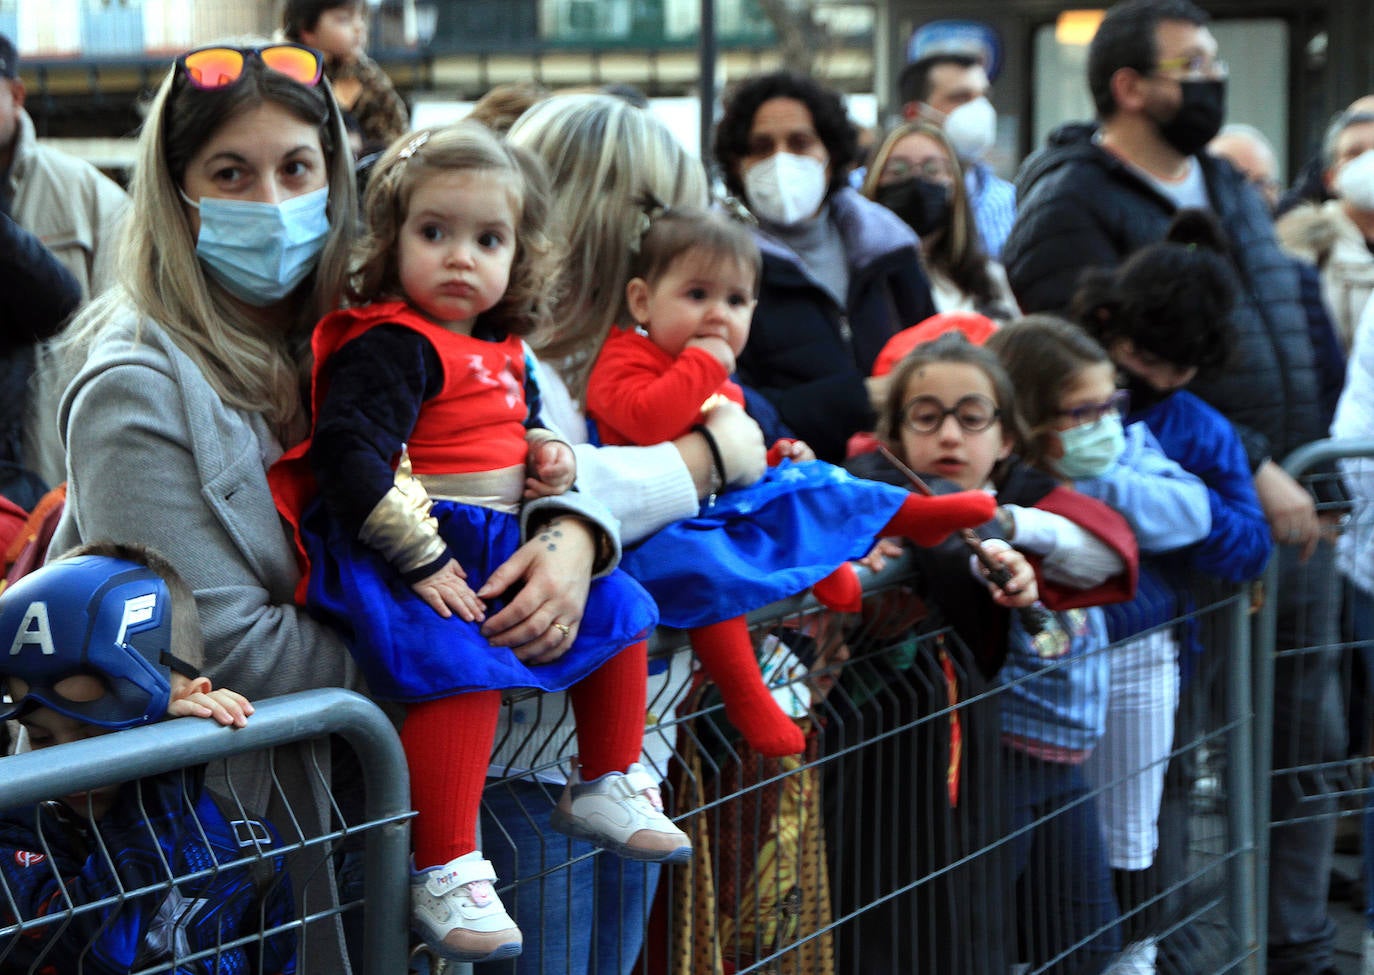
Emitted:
<point x="102" y="639"/>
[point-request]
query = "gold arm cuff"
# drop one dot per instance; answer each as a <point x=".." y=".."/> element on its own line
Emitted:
<point x="400" y="526"/>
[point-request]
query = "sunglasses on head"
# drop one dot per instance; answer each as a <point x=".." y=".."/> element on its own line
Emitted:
<point x="212" y="68"/>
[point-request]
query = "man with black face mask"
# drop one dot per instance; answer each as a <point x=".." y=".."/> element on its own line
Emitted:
<point x="1092" y="196"/>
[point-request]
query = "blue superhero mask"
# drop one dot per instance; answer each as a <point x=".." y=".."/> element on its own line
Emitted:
<point x="95" y="615"/>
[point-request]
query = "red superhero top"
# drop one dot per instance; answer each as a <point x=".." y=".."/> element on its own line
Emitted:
<point x="457" y="403"/>
<point x="639" y="394"/>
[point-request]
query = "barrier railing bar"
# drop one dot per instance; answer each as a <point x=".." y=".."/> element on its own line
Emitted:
<point x="159" y="748"/>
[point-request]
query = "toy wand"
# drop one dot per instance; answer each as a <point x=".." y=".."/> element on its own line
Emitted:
<point x="1034" y="618"/>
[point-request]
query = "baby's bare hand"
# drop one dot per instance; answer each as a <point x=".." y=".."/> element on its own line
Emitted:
<point x="716" y="347"/>
<point x="554" y="466"/>
<point x="447" y="592"/>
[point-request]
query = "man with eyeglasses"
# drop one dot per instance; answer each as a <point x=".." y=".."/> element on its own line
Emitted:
<point x="1094" y="195"/>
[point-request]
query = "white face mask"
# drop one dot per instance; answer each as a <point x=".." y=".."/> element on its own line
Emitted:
<point x="972" y="129"/>
<point x="1355" y="182"/>
<point x="785" y="189"/>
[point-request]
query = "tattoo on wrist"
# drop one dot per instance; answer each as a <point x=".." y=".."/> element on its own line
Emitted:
<point x="550" y="534"/>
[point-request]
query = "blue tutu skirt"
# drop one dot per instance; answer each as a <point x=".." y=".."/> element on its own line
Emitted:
<point x="409" y="653"/>
<point x="762" y="543"/>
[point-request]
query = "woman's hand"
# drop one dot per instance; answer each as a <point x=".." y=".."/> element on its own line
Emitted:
<point x="741" y="444"/>
<point x="447" y="592"/>
<point x="555" y="569"/>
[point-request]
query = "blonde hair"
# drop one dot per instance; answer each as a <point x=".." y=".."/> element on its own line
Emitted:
<point x="253" y="361"/>
<point x="604" y="157"/>
<point x="526" y="306"/>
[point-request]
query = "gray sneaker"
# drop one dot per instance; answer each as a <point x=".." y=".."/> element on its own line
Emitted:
<point x="622" y="812"/>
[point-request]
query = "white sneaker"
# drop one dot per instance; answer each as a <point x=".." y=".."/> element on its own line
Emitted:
<point x="455" y="910"/>
<point x="623" y="812"/>
<point x="1137" y="958"/>
<point x="1368" y="953"/>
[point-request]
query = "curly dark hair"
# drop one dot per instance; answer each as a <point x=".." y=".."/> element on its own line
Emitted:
<point x="828" y="114"/>
<point x="1172" y="299"/>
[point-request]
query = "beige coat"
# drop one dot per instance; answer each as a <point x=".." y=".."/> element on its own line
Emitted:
<point x="1326" y="237"/>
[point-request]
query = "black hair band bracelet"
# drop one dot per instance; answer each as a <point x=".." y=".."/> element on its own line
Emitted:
<point x="716" y="459"/>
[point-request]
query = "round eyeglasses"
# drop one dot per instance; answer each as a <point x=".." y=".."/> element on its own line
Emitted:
<point x="973" y="413"/>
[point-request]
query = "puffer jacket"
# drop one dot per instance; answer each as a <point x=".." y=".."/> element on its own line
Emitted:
<point x="1080" y="206"/>
<point x="807" y="355"/>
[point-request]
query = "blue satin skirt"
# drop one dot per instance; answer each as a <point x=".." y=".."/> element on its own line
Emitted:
<point x="409" y="653"/>
<point x="765" y="542"/>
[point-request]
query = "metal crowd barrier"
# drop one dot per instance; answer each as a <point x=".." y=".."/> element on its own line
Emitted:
<point x="884" y="848"/>
<point x="295" y="722"/>
<point x="1310" y="760"/>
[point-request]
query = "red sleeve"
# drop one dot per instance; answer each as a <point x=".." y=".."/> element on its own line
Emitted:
<point x="1114" y="531"/>
<point x="638" y="395"/>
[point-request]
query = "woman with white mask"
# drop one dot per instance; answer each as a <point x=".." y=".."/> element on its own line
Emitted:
<point x="840" y="273"/>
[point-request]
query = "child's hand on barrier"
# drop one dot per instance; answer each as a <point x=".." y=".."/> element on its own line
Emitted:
<point x="224" y="706"/>
<point x="797" y="451"/>
<point x="882" y="550"/>
<point x="554" y="467"/>
<point x="447" y="592"/>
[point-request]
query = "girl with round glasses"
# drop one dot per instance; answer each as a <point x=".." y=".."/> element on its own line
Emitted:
<point x="951" y="414"/>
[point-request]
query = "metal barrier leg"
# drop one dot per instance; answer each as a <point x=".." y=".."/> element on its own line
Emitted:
<point x="1246" y="903"/>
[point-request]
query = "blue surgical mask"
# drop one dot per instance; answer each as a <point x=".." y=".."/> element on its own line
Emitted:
<point x="260" y="252"/>
<point x="1091" y="449"/>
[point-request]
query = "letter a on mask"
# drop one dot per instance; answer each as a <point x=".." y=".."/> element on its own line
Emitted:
<point x="34" y="630"/>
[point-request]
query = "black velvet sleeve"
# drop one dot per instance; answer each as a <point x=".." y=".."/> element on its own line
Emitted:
<point x="376" y="385"/>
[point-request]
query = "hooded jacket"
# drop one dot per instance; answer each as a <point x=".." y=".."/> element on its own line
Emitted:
<point x="807" y="355"/>
<point x="1081" y="206"/>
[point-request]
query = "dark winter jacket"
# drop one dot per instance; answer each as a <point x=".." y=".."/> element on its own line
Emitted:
<point x="807" y="355"/>
<point x="1080" y="206"/>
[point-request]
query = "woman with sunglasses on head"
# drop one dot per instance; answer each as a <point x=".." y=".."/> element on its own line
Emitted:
<point x="915" y="173"/>
<point x="187" y="383"/>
